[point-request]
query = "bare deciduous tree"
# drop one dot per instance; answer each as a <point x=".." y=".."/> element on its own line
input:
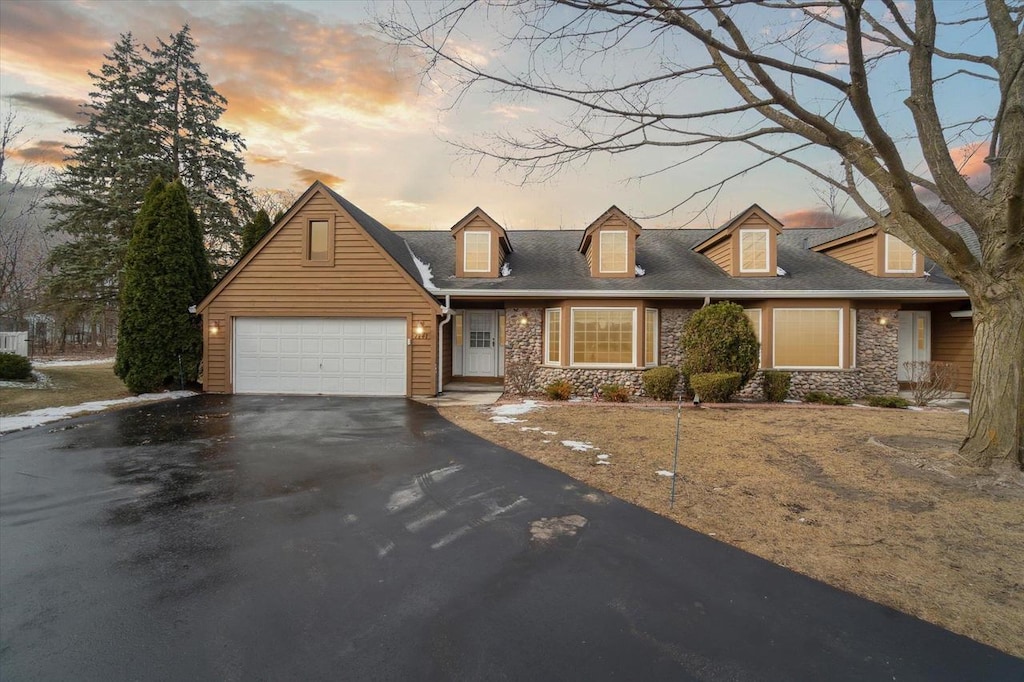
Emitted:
<point x="866" y="86"/>
<point x="23" y="246"/>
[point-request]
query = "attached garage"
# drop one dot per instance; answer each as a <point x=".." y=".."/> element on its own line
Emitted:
<point x="331" y="356"/>
<point x="328" y="302"/>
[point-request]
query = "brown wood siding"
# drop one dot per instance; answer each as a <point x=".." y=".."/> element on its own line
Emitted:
<point x="753" y="222"/>
<point x="364" y="282"/>
<point x="861" y="254"/>
<point x="477" y="224"/>
<point x="721" y="255"/>
<point x="953" y="341"/>
<point x="613" y="224"/>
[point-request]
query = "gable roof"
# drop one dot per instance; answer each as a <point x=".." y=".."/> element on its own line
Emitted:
<point x="482" y="214"/>
<point x="393" y="245"/>
<point x="547" y="264"/>
<point x="735" y="222"/>
<point x="613" y="210"/>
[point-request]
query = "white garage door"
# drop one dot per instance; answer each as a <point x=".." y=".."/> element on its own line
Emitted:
<point x="307" y="355"/>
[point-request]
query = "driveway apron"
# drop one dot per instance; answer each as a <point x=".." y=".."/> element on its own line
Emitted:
<point x="317" y="538"/>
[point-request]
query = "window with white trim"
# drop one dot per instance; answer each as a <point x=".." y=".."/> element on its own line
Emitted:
<point x="614" y="247"/>
<point x="477" y="251"/>
<point x="807" y="338"/>
<point x="650" y="336"/>
<point x="603" y="336"/>
<point x="754" y="315"/>
<point x="900" y="257"/>
<point x="553" y="336"/>
<point x="754" y="251"/>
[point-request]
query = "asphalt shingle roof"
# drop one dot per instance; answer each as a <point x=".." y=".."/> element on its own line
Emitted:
<point x="547" y="260"/>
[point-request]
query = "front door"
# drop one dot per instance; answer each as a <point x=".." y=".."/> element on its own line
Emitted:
<point x="915" y="340"/>
<point x="482" y="347"/>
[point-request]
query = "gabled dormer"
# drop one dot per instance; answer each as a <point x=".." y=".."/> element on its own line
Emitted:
<point x="609" y="244"/>
<point x="746" y="246"/>
<point x="481" y="245"/>
<point x="869" y="248"/>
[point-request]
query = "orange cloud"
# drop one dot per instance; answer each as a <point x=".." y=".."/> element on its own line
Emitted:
<point x="307" y="176"/>
<point x="970" y="159"/>
<point x="46" y="152"/>
<point x="812" y="217"/>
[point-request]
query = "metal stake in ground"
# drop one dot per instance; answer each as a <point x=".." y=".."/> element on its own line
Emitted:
<point x="675" y="454"/>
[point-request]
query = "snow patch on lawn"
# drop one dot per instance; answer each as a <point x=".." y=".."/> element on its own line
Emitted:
<point x="27" y="420"/>
<point x="578" y="445"/>
<point x="662" y="472"/>
<point x="517" y="409"/>
<point x="500" y="419"/>
<point x="71" y="363"/>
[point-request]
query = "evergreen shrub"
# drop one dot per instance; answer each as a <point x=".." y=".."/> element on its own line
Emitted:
<point x="660" y="382"/>
<point x="14" y="367"/>
<point x="716" y="387"/>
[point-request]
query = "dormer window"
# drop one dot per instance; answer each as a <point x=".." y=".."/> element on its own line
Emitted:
<point x="609" y="245"/>
<point x="477" y="251"/>
<point x="482" y="246"/>
<point x="614" y="247"/>
<point x="318" y="243"/>
<point x="900" y="257"/>
<point x="754" y="251"/>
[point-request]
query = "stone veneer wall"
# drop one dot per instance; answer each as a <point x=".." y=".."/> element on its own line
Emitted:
<point x="876" y="364"/>
<point x="875" y="372"/>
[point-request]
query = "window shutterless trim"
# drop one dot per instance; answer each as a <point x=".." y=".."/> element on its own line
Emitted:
<point x="572" y="338"/>
<point x="548" y="312"/>
<point x="648" y="335"/>
<point x="913" y="257"/>
<point x="775" y="346"/>
<point x="767" y="249"/>
<point x="625" y="252"/>
<point x="465" y="250"/>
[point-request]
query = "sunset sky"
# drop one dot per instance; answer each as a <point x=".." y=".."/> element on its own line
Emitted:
<point x="316" y="93"/>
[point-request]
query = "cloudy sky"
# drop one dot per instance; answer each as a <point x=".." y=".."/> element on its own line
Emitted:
<point x="316" y="93"/>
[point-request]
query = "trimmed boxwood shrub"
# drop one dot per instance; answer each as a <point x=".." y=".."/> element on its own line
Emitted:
<point x="775" y="385"/>
<point x="14" y="367"/>
<point x="716" y="387"/>
<point x="615" y="393"/>
<point x="660" y="382"/>
<point x="893" y="401"/>
<point x="560" y="389"/>
<point x="719" y="338"/>
<point x="823" y="398"/>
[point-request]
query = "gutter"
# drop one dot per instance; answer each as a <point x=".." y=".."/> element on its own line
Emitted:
<point x="446" y="310"/>
<point x="699" y="293"/>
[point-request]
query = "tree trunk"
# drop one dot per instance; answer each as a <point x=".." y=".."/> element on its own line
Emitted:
<point x="995" y="431"/>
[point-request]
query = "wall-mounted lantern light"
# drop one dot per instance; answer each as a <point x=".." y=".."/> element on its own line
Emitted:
<point x="214" y="327"/>
<point x="883" y="320"/>
<point x="523" y="321"/>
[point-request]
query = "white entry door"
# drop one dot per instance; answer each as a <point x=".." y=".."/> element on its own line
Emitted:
<point x="329" y="356"/>
<point x="481" y="348"/>
<point x="915" y="339"/>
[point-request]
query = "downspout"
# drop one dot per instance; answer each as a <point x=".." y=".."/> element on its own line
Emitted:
<point x="447" y="312"/>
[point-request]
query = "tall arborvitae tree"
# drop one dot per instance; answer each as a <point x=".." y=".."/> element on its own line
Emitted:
<point x="206" y="156"/>
<point x="166" y="271"/>
<point x="96" y="196"/>
<point x="254" y="230"/>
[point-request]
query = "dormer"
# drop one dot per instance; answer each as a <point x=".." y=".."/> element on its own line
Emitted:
<point x="609" y="244"/>
<point x="876" y="252"/>
<point x="481" y="245"/>
<point x="746" y="246"/>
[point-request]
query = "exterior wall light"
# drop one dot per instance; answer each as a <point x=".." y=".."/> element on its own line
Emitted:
<point x="214" y="327"/>
<point x="523" y="321"/>
<point x="883" y="320"/>
<point x="419" y="331"/>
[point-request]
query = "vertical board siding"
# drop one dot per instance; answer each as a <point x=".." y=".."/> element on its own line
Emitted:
<point x="363" y="282"/>
<point x="953" y="341"/>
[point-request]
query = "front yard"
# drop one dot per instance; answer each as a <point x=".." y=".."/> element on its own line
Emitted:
<point x="869" y="500"/>
<point x="62" y="385"/>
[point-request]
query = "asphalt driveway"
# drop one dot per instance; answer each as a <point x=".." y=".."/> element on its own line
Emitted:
<point x="247" y="538"/>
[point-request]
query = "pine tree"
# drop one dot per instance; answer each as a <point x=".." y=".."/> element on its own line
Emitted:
<point x="254" y="230"/>
<point x="206" y="156"/>
<point x="166" y="271"/>
<point x="97" y="195"/>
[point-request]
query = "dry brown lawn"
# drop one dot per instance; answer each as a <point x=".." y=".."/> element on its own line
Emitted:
<point x="871" y="501"/>
<point x="67" y="386"/>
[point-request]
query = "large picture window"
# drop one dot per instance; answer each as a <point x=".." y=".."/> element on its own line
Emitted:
<point x="477" y="247"/>
<point x="650" y="336"/>
<point x="604" y="336"/>
<point x="552" y="336"/>
<point x="808" y="338"/>
<point x="614" y="251"/>
<point x="899" y="256"/>
<point x="754" y="251"/>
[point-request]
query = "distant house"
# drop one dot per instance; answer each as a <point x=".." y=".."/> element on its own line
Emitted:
<point x="331" y="301"/>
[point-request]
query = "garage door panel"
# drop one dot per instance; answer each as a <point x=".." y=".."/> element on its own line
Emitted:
<point x="339" y="356"/>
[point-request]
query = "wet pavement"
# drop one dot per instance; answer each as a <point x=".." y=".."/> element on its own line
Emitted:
<point x="270" y="538"/>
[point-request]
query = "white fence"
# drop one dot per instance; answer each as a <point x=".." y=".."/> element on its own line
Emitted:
<point x="14" y="342"/>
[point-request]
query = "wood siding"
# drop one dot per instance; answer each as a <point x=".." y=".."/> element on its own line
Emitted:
<point x="363" y="282"/>
<point x="953" y="341"/>
<point x="721" y="255"/>
<point x="479" y="224"/>
<point x="861" y="254"/>
<point x="613" y="221"/>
